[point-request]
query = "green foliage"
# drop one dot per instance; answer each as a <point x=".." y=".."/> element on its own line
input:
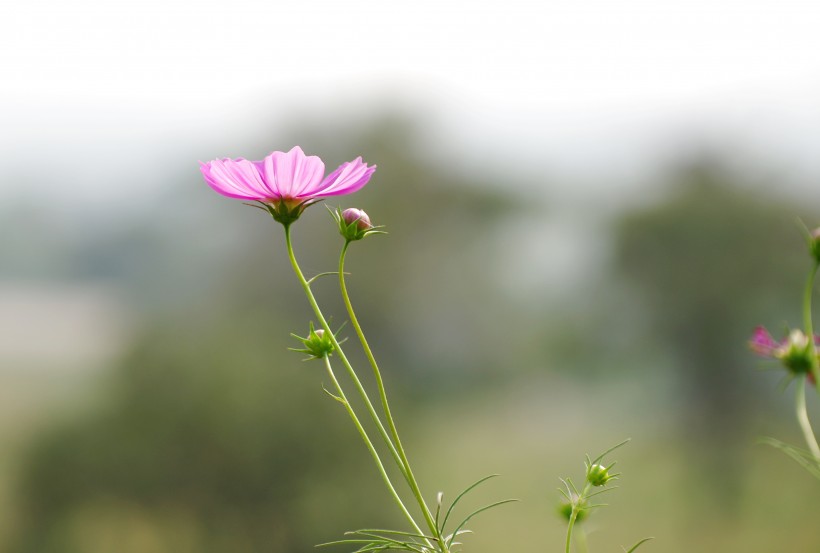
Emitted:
<point x="393" y="540"/>
<point x="803" y="457"/>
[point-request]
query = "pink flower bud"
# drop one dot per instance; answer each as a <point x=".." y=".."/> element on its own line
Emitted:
<point x="351" y="215"/>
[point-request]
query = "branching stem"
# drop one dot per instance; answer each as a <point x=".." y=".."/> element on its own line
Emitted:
<point x="338" y="349"/>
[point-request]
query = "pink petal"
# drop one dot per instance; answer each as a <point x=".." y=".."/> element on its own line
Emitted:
<point x="348" y="178"/>
<point x="235" y="178"/>
<point x="293" y="174"/>
<point x="762" y="342"/>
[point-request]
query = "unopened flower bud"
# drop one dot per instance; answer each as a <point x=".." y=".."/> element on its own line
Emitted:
<point x="814" y="244"/>
<point x="353" y="215"/>
<point x="598" y="475"/>
<point x="354" y="224"/>
<point x="796" y="353"/>
<point x="318" y="344"/>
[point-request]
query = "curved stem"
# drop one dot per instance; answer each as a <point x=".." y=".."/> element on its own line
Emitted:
<point x="803" y="418"/>
<point x="411" y="480"/>
<point x="808" y="327"/>
<point x="337" y="348"/>
<point x="370" y="448"/>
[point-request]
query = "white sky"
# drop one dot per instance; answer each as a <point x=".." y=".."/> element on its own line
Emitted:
<point x="593" y="84"/>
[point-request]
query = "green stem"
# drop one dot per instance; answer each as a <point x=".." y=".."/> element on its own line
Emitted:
<point x="803" y="418"/>
<point x="807" y="323"/>
<point x="370" y="448"/>
<point x="411" y="480"/>
<point x="338" y="349"/>
<point x="569" y="530"/>
<point x="576" y="507"/>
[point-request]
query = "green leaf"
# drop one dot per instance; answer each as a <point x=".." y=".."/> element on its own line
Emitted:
<point x="804" y="458"/>
<point x="637" y="545"/>
<point x="474" y="513"/>
<point x="458" y="498"/>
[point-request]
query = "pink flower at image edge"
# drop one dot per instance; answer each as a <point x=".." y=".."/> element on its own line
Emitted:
<point x="290" y="177"/>
<point x="764" y="345"/>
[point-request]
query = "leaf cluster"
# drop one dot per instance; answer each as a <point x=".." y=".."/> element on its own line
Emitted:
<point x="369" y="540"/>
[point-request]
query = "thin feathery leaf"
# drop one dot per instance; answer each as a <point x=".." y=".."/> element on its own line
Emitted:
<point x="265" y="209"/>
<point x="610" y="450"/>
<point x="804" y="230"/>
<point x="784" y="382"/>
<point x="804" y="458"/>
<point x="458" y="498"/>
<point x="334" y="396"/>
<point x="377" y="536"/>
<point x="572" y="487"/>
<point x="393" y="532"/>
<point x="326" y="273"/>
<point x="377" y="544"/>
<point x="599" y="492"/>
<point x="474" y="513"/>
<point x="637" y="545"/>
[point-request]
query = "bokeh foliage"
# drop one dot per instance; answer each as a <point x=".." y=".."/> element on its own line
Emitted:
<point x="209" y="436"/>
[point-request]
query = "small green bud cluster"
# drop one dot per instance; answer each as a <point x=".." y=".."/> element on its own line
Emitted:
<point x="796" y="353"/>
<point x="596" y="475"/>
<point x="578" y="503"/>
<point x="318" y="344"/>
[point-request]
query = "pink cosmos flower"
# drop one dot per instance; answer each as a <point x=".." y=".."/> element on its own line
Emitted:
<point x="794" y="351"/>
<point x="284" y="183"/>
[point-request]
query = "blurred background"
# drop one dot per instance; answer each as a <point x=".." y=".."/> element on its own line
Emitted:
<point x="590" y="207"/>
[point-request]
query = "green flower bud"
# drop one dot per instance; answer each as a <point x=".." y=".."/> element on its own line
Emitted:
<point x="318" y="344"/>
<point x="795" y="353"/>
<point x="598" y="475"/>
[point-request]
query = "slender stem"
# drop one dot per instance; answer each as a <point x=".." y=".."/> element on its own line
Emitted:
<point x="369" y="444"/>
<point x="338" y="349"/>
<point x="411" y="480"/>
<point x="807" y="323"/>
<point x="576" y="507"/>
<point x="569" y="529"/>
<point x="803" y="419"/>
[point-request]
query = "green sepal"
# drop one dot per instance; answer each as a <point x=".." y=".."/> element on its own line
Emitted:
<point x="317" y="344"/>
<point x="285" y="212"/>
